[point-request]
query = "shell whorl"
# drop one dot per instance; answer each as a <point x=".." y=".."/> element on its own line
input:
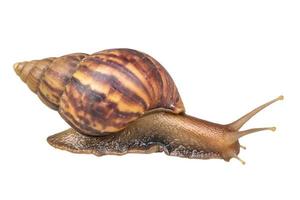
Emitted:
<point x="48" y="77"/>
<point x="101" y="93"/>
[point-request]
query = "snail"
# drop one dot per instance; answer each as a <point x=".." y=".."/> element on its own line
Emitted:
<point x="120" y="101"/>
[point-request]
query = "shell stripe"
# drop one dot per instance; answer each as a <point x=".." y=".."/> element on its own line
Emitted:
<point x="27" y="68"/>
<point x="114" y="84"/>
<point x="45" y="100"/>
<point x="123" y="78"/>
<point x="56" y="76"/>
<point x="159" y="78"/>
<point x="52" y="91"/>
<point x="120" y="67"/>
<point x="34" y="77"/>
<point x="96" y="97"/>
<point x="167" y="89"/>
<point x="148" y="73"/>
<point x="89" y="110"/>
<point x="152" y="74"/>
<point x="75" y="124"/>
<point x="134" y="67"/>
<point x="40" y="78"/>
<point x="137" y="67"/>
<point x="143" y="68"/>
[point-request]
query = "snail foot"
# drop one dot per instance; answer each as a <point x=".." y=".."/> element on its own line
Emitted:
<point x="72" y="141"/>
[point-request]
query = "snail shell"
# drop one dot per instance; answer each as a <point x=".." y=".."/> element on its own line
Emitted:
<point x="101" y="93"/>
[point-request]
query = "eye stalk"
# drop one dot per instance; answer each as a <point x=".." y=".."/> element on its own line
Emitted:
<point x="237" y="125"/>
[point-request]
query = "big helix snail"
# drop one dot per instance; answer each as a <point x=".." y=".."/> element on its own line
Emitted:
<point x="121" y="101"/>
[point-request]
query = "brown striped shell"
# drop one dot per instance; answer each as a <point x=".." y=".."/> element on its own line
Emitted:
<point x="101" y="93"/>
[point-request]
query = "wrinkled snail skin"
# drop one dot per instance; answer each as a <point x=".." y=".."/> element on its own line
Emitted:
<point x="176" y="135"/>
<point x="121" y="101"/>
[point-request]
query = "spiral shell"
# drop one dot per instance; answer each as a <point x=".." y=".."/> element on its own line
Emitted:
<point x="101" y="93"/>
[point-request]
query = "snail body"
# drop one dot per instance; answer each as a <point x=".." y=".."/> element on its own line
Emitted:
<point x="121" y="100"/>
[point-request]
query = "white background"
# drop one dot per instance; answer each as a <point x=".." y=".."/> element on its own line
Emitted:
<point x="226" y="57"/>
